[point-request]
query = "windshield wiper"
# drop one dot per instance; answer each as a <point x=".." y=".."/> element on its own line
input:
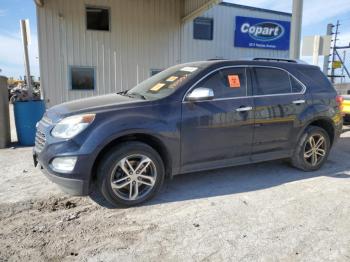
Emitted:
<point x="122" y="93"/>
<point x="132" y="95"/>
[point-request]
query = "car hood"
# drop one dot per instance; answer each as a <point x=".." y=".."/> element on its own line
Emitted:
<point x="92" y="104"/>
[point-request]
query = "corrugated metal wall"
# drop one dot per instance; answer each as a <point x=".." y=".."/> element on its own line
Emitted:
<point x="222" y="44"/>
<point x="144" y="35"/>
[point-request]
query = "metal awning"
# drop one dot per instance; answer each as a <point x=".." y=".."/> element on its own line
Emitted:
<point x="190" y="8"/>
<point x="39" y="2"/>
<point x="194" y="8"/>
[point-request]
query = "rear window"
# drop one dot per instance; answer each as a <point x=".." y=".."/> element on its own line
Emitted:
<point x="270" y="81"/>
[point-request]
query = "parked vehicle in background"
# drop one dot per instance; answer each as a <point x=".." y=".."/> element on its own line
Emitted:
<point x="345" y="106"/>
<point x="189" y="118"/>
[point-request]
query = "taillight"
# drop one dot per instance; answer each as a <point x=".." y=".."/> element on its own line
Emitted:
<point x="340" y="100"/>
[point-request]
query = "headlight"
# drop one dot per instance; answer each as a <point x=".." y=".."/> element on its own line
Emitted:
<point x="71" y="126"/>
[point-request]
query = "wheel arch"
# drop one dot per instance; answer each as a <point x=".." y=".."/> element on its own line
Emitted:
<point x="148" y="139"/>
<point x="324" y="123"/>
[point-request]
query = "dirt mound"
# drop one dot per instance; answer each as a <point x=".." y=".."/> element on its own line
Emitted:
<point x="54" y="204"/>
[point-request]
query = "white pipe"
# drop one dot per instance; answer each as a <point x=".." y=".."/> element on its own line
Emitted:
<point x="295" y="35"/>
<point x="23" y="24"/>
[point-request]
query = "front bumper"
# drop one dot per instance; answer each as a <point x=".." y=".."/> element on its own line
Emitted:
<point x="72" y="186"/>
<point x="76" y="182"/>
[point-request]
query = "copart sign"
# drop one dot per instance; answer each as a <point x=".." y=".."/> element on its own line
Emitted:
<point x="262" y="33"/>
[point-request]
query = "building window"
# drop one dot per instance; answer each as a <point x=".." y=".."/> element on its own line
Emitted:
<point x="203" y="28"/>
<point x="97" y="18"/>
<point x="82" y="78"/>
<point x="155" y="71"/>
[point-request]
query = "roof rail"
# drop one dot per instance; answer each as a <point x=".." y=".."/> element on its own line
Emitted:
<point x="216" y="59"/>
<point x="277" y="60"/>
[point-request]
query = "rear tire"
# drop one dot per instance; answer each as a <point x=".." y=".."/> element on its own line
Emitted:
<point x="312" y="149"/>
<point x="130" y="174"/>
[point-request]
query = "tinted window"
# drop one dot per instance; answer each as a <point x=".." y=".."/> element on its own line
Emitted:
<point x="296" y="86"/>
<point x="271" y="81"/>
<point x="82" y="78"/>
<point x="316" y="78"/>
<point x="227" y="83"/>
<point x="203" y="28"/>
<point x="97" y="18"/>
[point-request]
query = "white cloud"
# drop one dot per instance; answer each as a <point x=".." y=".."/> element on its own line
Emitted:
<point x="344" y="39"/>
<point x="315" y="12"/>
<point x="11" y="54"/>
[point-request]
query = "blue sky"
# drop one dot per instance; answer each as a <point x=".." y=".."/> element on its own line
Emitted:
<point x="317" y="14"/>
<point x="11" y="50"/>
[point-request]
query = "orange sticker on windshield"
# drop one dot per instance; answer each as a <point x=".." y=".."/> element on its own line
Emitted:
<point x="157" y="87"/>
<point x="233" y="81"/>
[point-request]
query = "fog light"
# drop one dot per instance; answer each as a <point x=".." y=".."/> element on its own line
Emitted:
<point x="64" y="164"/>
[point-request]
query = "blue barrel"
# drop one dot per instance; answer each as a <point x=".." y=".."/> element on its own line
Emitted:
<point x="27" y="114"/>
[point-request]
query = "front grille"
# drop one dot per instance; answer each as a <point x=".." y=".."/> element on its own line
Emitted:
<point x="40" y="140"/>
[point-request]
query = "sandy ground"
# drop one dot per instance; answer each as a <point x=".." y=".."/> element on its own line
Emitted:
<point x="262" y="212"/>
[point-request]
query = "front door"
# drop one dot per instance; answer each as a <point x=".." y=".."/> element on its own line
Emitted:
<point x="218" y="132"/>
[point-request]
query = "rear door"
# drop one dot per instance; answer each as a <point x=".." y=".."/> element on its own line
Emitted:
<point x="218" y="132"/>
<point x="279" y="100"/>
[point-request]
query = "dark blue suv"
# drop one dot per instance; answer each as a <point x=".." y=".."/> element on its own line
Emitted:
<point x="188" y="118"/>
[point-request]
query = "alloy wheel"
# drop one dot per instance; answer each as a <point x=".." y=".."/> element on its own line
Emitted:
<point x="133" y="177"/>
<point x="315" y="149"/>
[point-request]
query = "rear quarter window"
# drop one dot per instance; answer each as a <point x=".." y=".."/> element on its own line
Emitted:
<point x="316" y="79"/>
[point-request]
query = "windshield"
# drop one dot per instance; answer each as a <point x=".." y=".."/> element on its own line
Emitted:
<point x="163" y="83"/>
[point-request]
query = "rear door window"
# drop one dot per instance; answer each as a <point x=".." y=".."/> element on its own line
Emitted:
<point x="227" y="83"/>
<point x="271" y="81"/>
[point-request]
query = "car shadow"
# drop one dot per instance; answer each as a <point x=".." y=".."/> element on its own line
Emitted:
<point x="253" y="177"/>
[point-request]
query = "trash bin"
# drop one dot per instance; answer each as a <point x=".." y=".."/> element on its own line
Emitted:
<point x="5" y="131"/>
<point x="27" y="114"/>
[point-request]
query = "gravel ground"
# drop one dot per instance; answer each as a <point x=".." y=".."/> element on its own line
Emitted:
<point x="261" y="212"/>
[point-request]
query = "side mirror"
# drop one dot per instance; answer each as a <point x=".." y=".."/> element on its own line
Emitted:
<point x="200" y="94"/>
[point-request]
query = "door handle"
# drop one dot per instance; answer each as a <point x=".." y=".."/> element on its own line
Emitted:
<point x="297" y="102"/>
<point x="244" y="109"/>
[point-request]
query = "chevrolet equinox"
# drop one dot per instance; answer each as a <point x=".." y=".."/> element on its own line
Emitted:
<point x="190" y="117"/>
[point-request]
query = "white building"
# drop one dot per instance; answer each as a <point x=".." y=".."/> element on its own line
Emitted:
<point x="92" y="47"/>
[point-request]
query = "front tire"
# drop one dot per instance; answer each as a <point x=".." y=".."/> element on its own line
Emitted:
<point x="130" y="174"/>
<point x="312" y="149"/>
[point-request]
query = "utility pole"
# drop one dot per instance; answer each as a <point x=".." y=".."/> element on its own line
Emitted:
<point x="24" y="26"/>
<point x="334" y="49"/>
<point x="342" y="69"/>
<point x="326" y="58"/>
<point x="295" y="38"/>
